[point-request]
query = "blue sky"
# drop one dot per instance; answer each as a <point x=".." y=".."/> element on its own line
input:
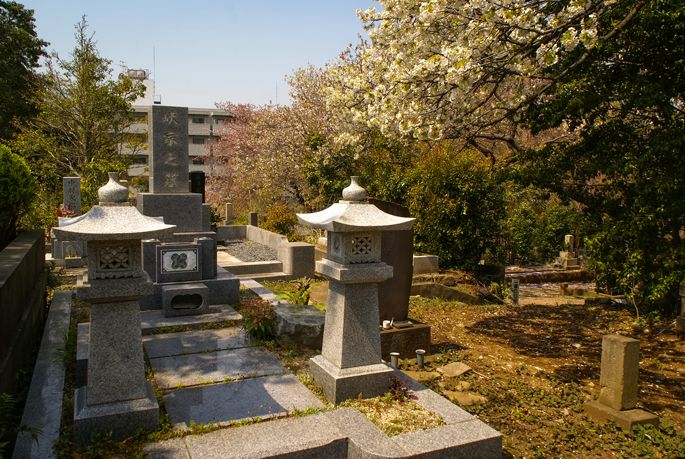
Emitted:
<point x="208" y="51"/>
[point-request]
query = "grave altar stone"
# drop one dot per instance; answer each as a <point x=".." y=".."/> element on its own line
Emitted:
<point x="117" y="397"/>
<point x="350" y="361"/>
<point x="567" y="258"/>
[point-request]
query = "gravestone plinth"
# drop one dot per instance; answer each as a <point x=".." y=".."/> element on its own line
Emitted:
<point x="117" y="397"/>
<point x="350" y="361"/>
<point x="619" y="384"/>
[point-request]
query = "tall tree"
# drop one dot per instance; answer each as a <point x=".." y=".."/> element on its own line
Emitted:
<point x="446" y="69"/>
<point x="20" y="49"/>
<point x="627" y="104"/>
<point x="84" y="114"/>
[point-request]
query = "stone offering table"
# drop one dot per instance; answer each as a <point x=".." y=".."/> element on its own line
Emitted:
<point x="117" y="397"/>
<point x="350" y="361"/>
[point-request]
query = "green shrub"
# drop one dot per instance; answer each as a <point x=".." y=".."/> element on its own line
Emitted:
<point x="258" y="317"/>
<point x="280" y="220"/>
<point x="17" y="192"/>
<point x="457" y="202"/>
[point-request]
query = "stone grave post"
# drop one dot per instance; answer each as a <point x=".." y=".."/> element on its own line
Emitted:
<point x="71" y="189"/>
<point x="515" y="290"/>
<point x="350" y="361"/>
<point x="117" y="397"/>
<point x="169" y="195"/>
<point x="567" y="258"/>
<point x="619" y="384"/>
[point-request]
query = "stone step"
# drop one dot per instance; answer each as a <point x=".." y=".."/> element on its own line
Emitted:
<point x="196" y="341"/>
<point x="266" y="276"/>
<point x="262" y="397"/>
<point x="154" y="321"/>
<point x="313" y="436"/>
<point x="211" y="367"/>
<point x="256" y="267"/>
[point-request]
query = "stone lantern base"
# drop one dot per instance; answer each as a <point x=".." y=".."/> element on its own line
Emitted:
<point x="343" y="384"/>
<point x="120" y="418"/>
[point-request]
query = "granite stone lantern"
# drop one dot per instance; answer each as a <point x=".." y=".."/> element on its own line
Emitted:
<point x="350" y="362"/>
<point x="117" y="397"/>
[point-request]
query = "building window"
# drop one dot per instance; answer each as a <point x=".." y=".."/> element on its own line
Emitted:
<point x="140" y="160"/>
<point x="199" y="120"/>
<point x="198" y="160"/>
<point x="198" y="141"/>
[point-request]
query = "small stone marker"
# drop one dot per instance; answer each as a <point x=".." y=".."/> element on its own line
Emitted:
<point x="71" y="187"/>
<point x="229" y="214"/>
<point x="619" y="381"/>
<point x="515" y="284"/>
<point x="254" y="220"/>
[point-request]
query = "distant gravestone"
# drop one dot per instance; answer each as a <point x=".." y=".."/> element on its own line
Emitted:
<point x="71" y="187"/>
<point x="515" y="289"/>
<point x="169" y="145"/>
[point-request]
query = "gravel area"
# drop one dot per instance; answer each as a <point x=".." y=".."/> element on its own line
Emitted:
<point x="249" y="251"/>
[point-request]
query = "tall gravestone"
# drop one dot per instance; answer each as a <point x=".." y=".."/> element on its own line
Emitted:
<point x="203" y="282"/>
<point x="71" y="187"/>
<point x="170" y="197"/>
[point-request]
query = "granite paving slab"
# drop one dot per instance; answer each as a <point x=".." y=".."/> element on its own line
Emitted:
<point x="169" y="344"/>
<point x="193" y="369"/>
<point x="151" y="321"/>
<point x="309" y="437"/>
<point x="257" y="397"/>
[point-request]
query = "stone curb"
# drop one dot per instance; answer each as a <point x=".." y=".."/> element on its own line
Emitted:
<point x="43" y="408"/>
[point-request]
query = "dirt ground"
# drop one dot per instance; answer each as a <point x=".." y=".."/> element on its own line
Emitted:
<point x="553" y="344"/>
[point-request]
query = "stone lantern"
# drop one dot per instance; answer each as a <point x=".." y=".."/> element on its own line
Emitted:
<point x="350" y="362"/>
<point x="117" y="397"/>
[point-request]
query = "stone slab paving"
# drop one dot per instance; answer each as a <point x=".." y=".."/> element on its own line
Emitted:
<point x="169" y="344"/>
<point x="258" y="397"/>
<point x="193" y="369"/>
<point x="151" y="321"/>
<point x="43" y="409"/>
<point x="308" y="437"/>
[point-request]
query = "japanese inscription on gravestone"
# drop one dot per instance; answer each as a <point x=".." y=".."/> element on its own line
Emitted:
<point x="168" y="128"/>
<point x="72" y="193"/>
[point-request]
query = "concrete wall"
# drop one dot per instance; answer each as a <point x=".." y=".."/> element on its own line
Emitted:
<point x="22" y="303"/>
<point x="297" y="257"/>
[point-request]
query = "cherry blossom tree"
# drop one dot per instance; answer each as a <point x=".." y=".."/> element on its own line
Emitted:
<point x="446" y="69"/>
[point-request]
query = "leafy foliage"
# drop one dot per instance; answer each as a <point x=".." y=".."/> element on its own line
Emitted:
<point x="10" y="425"/>
<point x="457" y="202"/>
<point x="280" y="220"/>
<point x="536" y="222"/>
<point x="625" y="104"/>
<point x="20" y="49"/>
<point x="258" y="316"/>
<point x="17" y="192"/>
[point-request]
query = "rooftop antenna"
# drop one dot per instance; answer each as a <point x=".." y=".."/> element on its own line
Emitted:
<point x="154" y="66"/>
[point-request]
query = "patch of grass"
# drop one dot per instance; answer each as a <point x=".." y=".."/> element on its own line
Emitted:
<point x="395" y="416"/>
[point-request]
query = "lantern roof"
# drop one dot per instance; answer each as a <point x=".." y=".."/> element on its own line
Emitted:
<point x="353" y="213"/>
<point x="114" y="219"/>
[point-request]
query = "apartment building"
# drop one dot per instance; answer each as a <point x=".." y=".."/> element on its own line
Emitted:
<point x="203" y="127"/>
